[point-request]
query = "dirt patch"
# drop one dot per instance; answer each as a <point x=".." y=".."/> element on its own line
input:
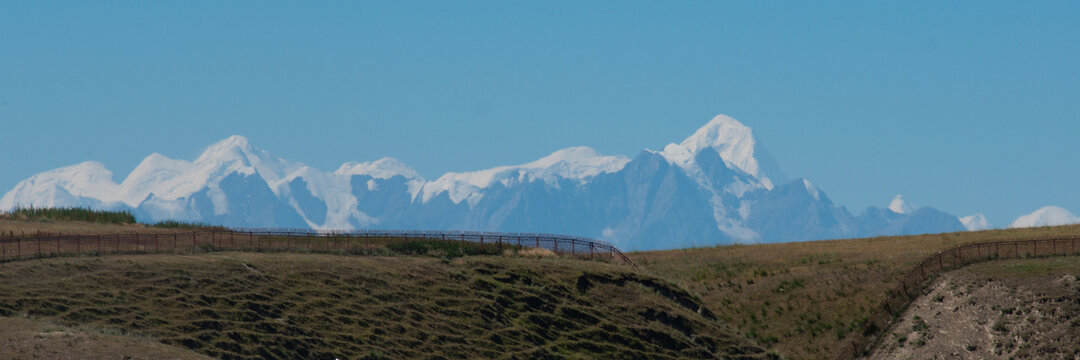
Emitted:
<point x="1015" y="309"/>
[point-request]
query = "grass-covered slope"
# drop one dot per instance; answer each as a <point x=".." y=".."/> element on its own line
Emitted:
<point x="248" y="305"/>
<point x="22" y="338"/>
<point x="806" y="299"/>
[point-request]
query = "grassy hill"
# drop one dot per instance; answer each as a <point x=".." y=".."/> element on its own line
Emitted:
<point x="804" y="300"/>
<point x="253" y="305"/>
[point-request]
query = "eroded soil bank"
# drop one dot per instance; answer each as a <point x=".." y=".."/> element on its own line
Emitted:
<point x="1009" y="309"/>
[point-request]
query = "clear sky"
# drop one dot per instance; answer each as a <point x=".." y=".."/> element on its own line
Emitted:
<point x="965" y="106"/>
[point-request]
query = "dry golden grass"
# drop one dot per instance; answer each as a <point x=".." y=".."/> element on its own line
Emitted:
<point x="530" y="252"/>
<point x="806" y="299"/>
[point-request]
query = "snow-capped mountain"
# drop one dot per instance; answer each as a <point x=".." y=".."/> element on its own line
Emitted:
<point x="900" y="206"/>
<point x="1046" y="216"/>
<point x="576" y="163"/>
<point x="975" y="222"/>
<point x="718" y="186"/>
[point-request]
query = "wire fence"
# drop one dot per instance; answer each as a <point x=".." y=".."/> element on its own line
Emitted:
<point x="39" y="245"/>
<point x="914" y="283"/>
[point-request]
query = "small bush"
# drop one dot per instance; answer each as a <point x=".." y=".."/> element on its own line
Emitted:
<point x="173" y="224"/>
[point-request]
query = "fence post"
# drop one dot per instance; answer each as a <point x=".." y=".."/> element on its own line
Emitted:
<point x="38" y="236"/>
<point x="117" y="243"/>
<point x="78" y="245"/>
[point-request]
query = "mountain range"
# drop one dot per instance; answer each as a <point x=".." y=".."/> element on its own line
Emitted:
<point x="718" y="186"/>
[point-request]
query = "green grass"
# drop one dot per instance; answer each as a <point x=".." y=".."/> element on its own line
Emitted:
<point x="287" y="305"/>
<point x="71" y="214"/>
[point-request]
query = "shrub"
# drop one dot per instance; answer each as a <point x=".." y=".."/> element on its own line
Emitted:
<point x="72" y="214"/>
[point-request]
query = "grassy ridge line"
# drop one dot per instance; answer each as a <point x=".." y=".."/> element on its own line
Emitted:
<point x="808" y="299"/>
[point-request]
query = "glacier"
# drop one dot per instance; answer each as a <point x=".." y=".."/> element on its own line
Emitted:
<point x="718" y="186"/>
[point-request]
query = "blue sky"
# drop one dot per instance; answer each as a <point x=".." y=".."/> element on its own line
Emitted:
<point x="965" y="106"/>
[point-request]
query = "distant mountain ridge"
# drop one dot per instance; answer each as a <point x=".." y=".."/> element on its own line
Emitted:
<point x="718" y="186"/>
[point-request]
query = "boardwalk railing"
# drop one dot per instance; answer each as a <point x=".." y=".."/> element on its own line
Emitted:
<point x="911" y="285"/>
<point x="13" y="247"/>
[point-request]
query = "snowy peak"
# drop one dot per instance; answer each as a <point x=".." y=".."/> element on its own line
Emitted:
<point x="1047" y="216"/>
<point x="811" y="189"/>
<point x="63" y="187"/>
<point x="900" y="206"/>
<point x="236" y="154"/>
<point x="158" y="174"/>
<point x="975" y="222"/>
<point x="733" y="141"/>
<point x="384" y="168"/>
